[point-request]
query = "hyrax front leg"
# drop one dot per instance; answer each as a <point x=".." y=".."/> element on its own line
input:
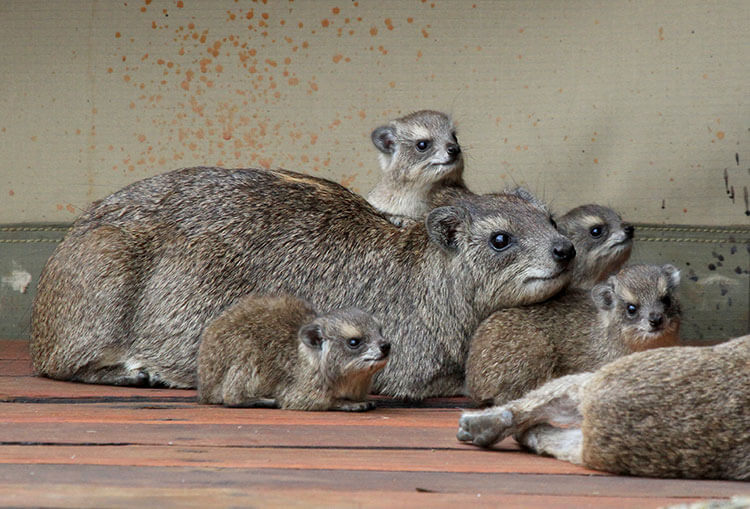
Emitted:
<point x="556" y="401"/>
<point x="561" y="443"/>
<point x="345" y="405"/>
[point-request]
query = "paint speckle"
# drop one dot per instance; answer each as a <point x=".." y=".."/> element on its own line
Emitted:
<point x="18" y="280"/>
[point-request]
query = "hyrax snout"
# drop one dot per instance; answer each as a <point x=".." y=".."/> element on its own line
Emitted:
<point x="278" y="352"/>
<point x="419" y="155"/>
<point x="127" y="294"/>
<point x="602" y="240"/>
<point x="518" y="349"/>
<point x="670" y="412"/>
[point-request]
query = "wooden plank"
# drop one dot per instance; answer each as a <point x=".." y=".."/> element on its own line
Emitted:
<point x="66" y="495"/>
<point x="151" y="412"/>
<point x="230" y="435"/>
<point x="14" y="349"/>
<point x="374" y="482"/>
<point x="16" y="367"/>
<point x="394" y="460"/>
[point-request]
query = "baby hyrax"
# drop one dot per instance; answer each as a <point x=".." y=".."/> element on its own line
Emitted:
<point x="671" y="412"/>
<point x="419" y="156"/>
<point x="602" y="240"/>
<point x="278" y="352"/>
<point x="518" y="349"/>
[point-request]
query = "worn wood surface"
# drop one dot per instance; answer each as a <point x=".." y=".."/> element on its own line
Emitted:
<point x="75" y="445"/>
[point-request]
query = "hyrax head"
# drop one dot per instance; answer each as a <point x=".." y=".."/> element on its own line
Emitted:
<point x="508" y="245"/>
<point x="345" y="344"/>
<point x="640" y="302"/>
<point x="421" y="147"/>
<point x="603" y="242"/>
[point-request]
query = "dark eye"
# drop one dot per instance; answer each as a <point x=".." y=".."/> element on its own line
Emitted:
<point x="423" y="145"/>
<point x="354" y="342"/>
<point x="455" y="138"/>
<point x="499" y="241"/>
<point x="632" y="309"/>
<point x="666" y="300"/>
<point x="597" y="231"/>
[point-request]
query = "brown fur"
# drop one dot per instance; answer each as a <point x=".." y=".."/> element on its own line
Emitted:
<point x="672" y="412"/>
<point x="412" y="176"/>
<point x="126" y="295"/>
<point x="518" y="349"/>
<point x="277" y="351"/>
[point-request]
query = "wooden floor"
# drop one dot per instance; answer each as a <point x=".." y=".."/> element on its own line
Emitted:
<point x="75" y="445"/>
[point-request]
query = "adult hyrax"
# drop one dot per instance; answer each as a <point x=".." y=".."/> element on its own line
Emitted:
<point x="670" y="412"/>
<point x="602" y="240"/>
<point x="278" y="352"/>
<point x="125" y="296"/>
<point x="420" y="156"/>
<point x="518" y="349"/>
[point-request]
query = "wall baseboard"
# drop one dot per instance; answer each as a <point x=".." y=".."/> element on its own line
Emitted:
<point x="714" y="261"/>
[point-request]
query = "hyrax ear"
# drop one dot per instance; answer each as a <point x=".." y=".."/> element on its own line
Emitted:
<point x="312" y="336"/>
<point x="384" y="138"/>
<point x="673" y="275"/>
<point x="444" y="224"/>
<point x="603" y="295"/>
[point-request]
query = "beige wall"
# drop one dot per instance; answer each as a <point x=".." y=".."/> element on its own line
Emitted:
<point x="640" y="105"/>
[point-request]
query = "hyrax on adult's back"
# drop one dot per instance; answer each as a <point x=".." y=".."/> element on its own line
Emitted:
<point x="670" y="412"/>
<point x="419" y="156"/>
<point x="278" y="352"/>
<point x="602" y="240"/>
<point x="518" y="349"/>
<point x="125" y="296"/>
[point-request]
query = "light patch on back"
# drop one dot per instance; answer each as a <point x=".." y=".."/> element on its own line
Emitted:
<point x="18" y="280"/>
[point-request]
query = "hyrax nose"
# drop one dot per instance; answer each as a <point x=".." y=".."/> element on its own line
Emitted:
<point x="385" y="349"/>
<point x="629" y="229"/>
<point x="453" y="149"/>
<point x="655" y="319"/>
<point x="563" y="251"/>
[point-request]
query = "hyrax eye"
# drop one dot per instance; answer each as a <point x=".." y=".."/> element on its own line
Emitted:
<point x="423" y="145"/>
<point x="666" y="300"/>
<point x="354" y="342"/>
<point x="500" y="241"/>
<point x="631" y="309"/>
<point x="597" y="231"/>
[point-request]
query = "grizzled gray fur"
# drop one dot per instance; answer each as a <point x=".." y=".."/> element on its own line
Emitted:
<point x="125" y="296"/>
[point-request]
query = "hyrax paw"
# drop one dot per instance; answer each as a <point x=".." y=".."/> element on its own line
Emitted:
<point x="354" y="406"/>
<point x="484" y="428"/>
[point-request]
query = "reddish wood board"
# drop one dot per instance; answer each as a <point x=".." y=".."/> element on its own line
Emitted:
<point x="74" y="445"/>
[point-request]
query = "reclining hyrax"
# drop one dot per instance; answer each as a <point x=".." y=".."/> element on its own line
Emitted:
<point x="278" y="352"/>
<point x="518" y="349"/>
<point x="671" y="412"/>
<point x="602" y="240"/>
<point x="419" y="156"/>
<point x="126" y="294"/>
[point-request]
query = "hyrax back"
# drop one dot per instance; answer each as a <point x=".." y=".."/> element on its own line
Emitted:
<point x="128" y="292"/>
<point x="518" y="349"/>
<point x="602" y="240"/>
<point x="277" y="351"/>
<point x="673" y="412"/>
<point x="419" y="155"/>
<point x="670" y="412"/>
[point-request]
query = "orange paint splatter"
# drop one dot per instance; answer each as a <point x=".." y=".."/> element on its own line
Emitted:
<point x="596" y="161"/>
<point x="180" y="5"/>
<point x="11" y="193"/>
<point x="69" y="207"/>
<point x="661" y="33"/>
<point x="362" y="114"/>
<point x="118" y="35"/>
<point x="720" y="135"/>
<point x="337" y="58"/>
<point x="335" y="10"/>
<point x="373" y="31"/>
<point x="388" y="23"/>
<point x="325" y="22"/>
<point x="410" y="20"/>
